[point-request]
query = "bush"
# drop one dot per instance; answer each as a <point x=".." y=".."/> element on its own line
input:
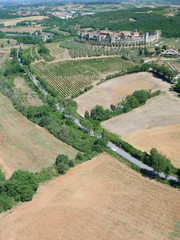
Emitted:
<point x="141" y="96"/>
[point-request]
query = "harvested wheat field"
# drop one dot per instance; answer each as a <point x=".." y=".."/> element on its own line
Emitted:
<point x="22" y="29"/>
<point x="9" y="22"/>
<point x="114" y="90"/>
<point x="150" y="125"/>
<point x="100" y="199"/>
<point x="165" y="139"/>
<point x="23" y="144"/>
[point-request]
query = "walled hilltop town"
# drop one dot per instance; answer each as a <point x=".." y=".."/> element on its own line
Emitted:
<point x="120" y="36"/>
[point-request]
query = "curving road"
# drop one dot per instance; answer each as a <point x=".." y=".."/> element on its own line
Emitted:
<point x="114" y="148"/>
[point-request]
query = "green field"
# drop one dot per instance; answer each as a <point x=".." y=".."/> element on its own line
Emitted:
<point x="68" y="77"/>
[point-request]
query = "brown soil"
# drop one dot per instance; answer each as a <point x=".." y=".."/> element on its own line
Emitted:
<point x="177" y="66"/>
<point x="113" y="91"/>
<point x="23" y="144"/>
<point x="165" y="139"/>
<point x="30" y="97"/>
<point x="100" y="199"/>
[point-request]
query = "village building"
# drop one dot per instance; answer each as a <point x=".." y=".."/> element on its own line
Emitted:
<point x="171" y="52"/>
<point x="120" y="36"/>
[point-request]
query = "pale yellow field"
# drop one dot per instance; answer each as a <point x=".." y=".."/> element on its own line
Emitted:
<point x="152" y="125"/>
<point x="22" y="29"/>
<point x="9" y="22"/>
<point x="165" y="139"/>
<point x="115" y="90"/>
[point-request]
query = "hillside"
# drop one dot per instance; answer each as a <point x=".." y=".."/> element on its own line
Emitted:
<point x="23" y="144"/>
<point x="99" y="199"/>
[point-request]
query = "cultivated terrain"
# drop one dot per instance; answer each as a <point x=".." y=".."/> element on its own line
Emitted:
<point x="23" y="144"/>
<point x="115" y="90"/>
<point x="159" y="112"/>
<point x="99" y="199"/>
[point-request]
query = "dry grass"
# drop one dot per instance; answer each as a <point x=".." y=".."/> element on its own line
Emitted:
<point x="23" y="29"/>
<point x="177" y="66"/>
<point x="23" y="144"/>
<point x="100" y="199"/>
<point x="113" y="91"/>
<point x="30" y="97"/>
<point x="160" y="111"/>
<point x="12" y="22"/>
<point x="165" y="139"/>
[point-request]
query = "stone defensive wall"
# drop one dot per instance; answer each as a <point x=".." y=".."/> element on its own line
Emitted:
<point x="146" y="38"/>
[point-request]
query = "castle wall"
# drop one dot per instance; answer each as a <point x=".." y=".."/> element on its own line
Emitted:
<point x="146" y="38"/>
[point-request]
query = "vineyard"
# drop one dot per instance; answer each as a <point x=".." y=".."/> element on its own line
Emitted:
<point x="54" y="48"/>
<point x="77" y="49"/>
<point x="68" y="77"/>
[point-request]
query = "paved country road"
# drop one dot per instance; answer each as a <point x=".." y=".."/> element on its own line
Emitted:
<point x="114" y="148"/>
<point x="133" y="160"/>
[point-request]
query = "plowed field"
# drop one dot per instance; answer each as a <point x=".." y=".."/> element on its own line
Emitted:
<point x="101" y="199"/>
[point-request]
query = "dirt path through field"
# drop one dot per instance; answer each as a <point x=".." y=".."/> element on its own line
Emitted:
<point x="100" y="199"/>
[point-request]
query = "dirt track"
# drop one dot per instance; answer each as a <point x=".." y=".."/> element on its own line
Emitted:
<point x="100" y="199"/>
<point x="113" y="91"/>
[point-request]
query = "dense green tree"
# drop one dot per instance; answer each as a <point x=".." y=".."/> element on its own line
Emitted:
<point x="159" y="162"/>
<point x="132" y="101"/>
<point x="6" y="202"/>
<point x="177" y="87"/>
<point x="13" y="52"/>
<point x="63" y="163"/>
<point x="141" y="96"/>
<point x="112" y="107"/>
<point x="79" y="156"/>
<point x="100" y="145"/>
<point x="21" y="186"/>
<point x="97" y="113"/>
<point x="86" y="115"/>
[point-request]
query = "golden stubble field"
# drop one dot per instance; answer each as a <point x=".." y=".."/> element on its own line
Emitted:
<point x="115" y="90"/>
<point x="23" y="144"/>
<point x="9" y="22"/>
<point x="156" y="124"/>
<point x="99" y="199"/>
<point x="23" y="29"/>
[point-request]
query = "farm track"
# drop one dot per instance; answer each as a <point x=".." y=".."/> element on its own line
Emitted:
<point x="78" y="58"/>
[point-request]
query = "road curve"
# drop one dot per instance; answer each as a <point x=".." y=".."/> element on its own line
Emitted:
<point x="114" y="148"/>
